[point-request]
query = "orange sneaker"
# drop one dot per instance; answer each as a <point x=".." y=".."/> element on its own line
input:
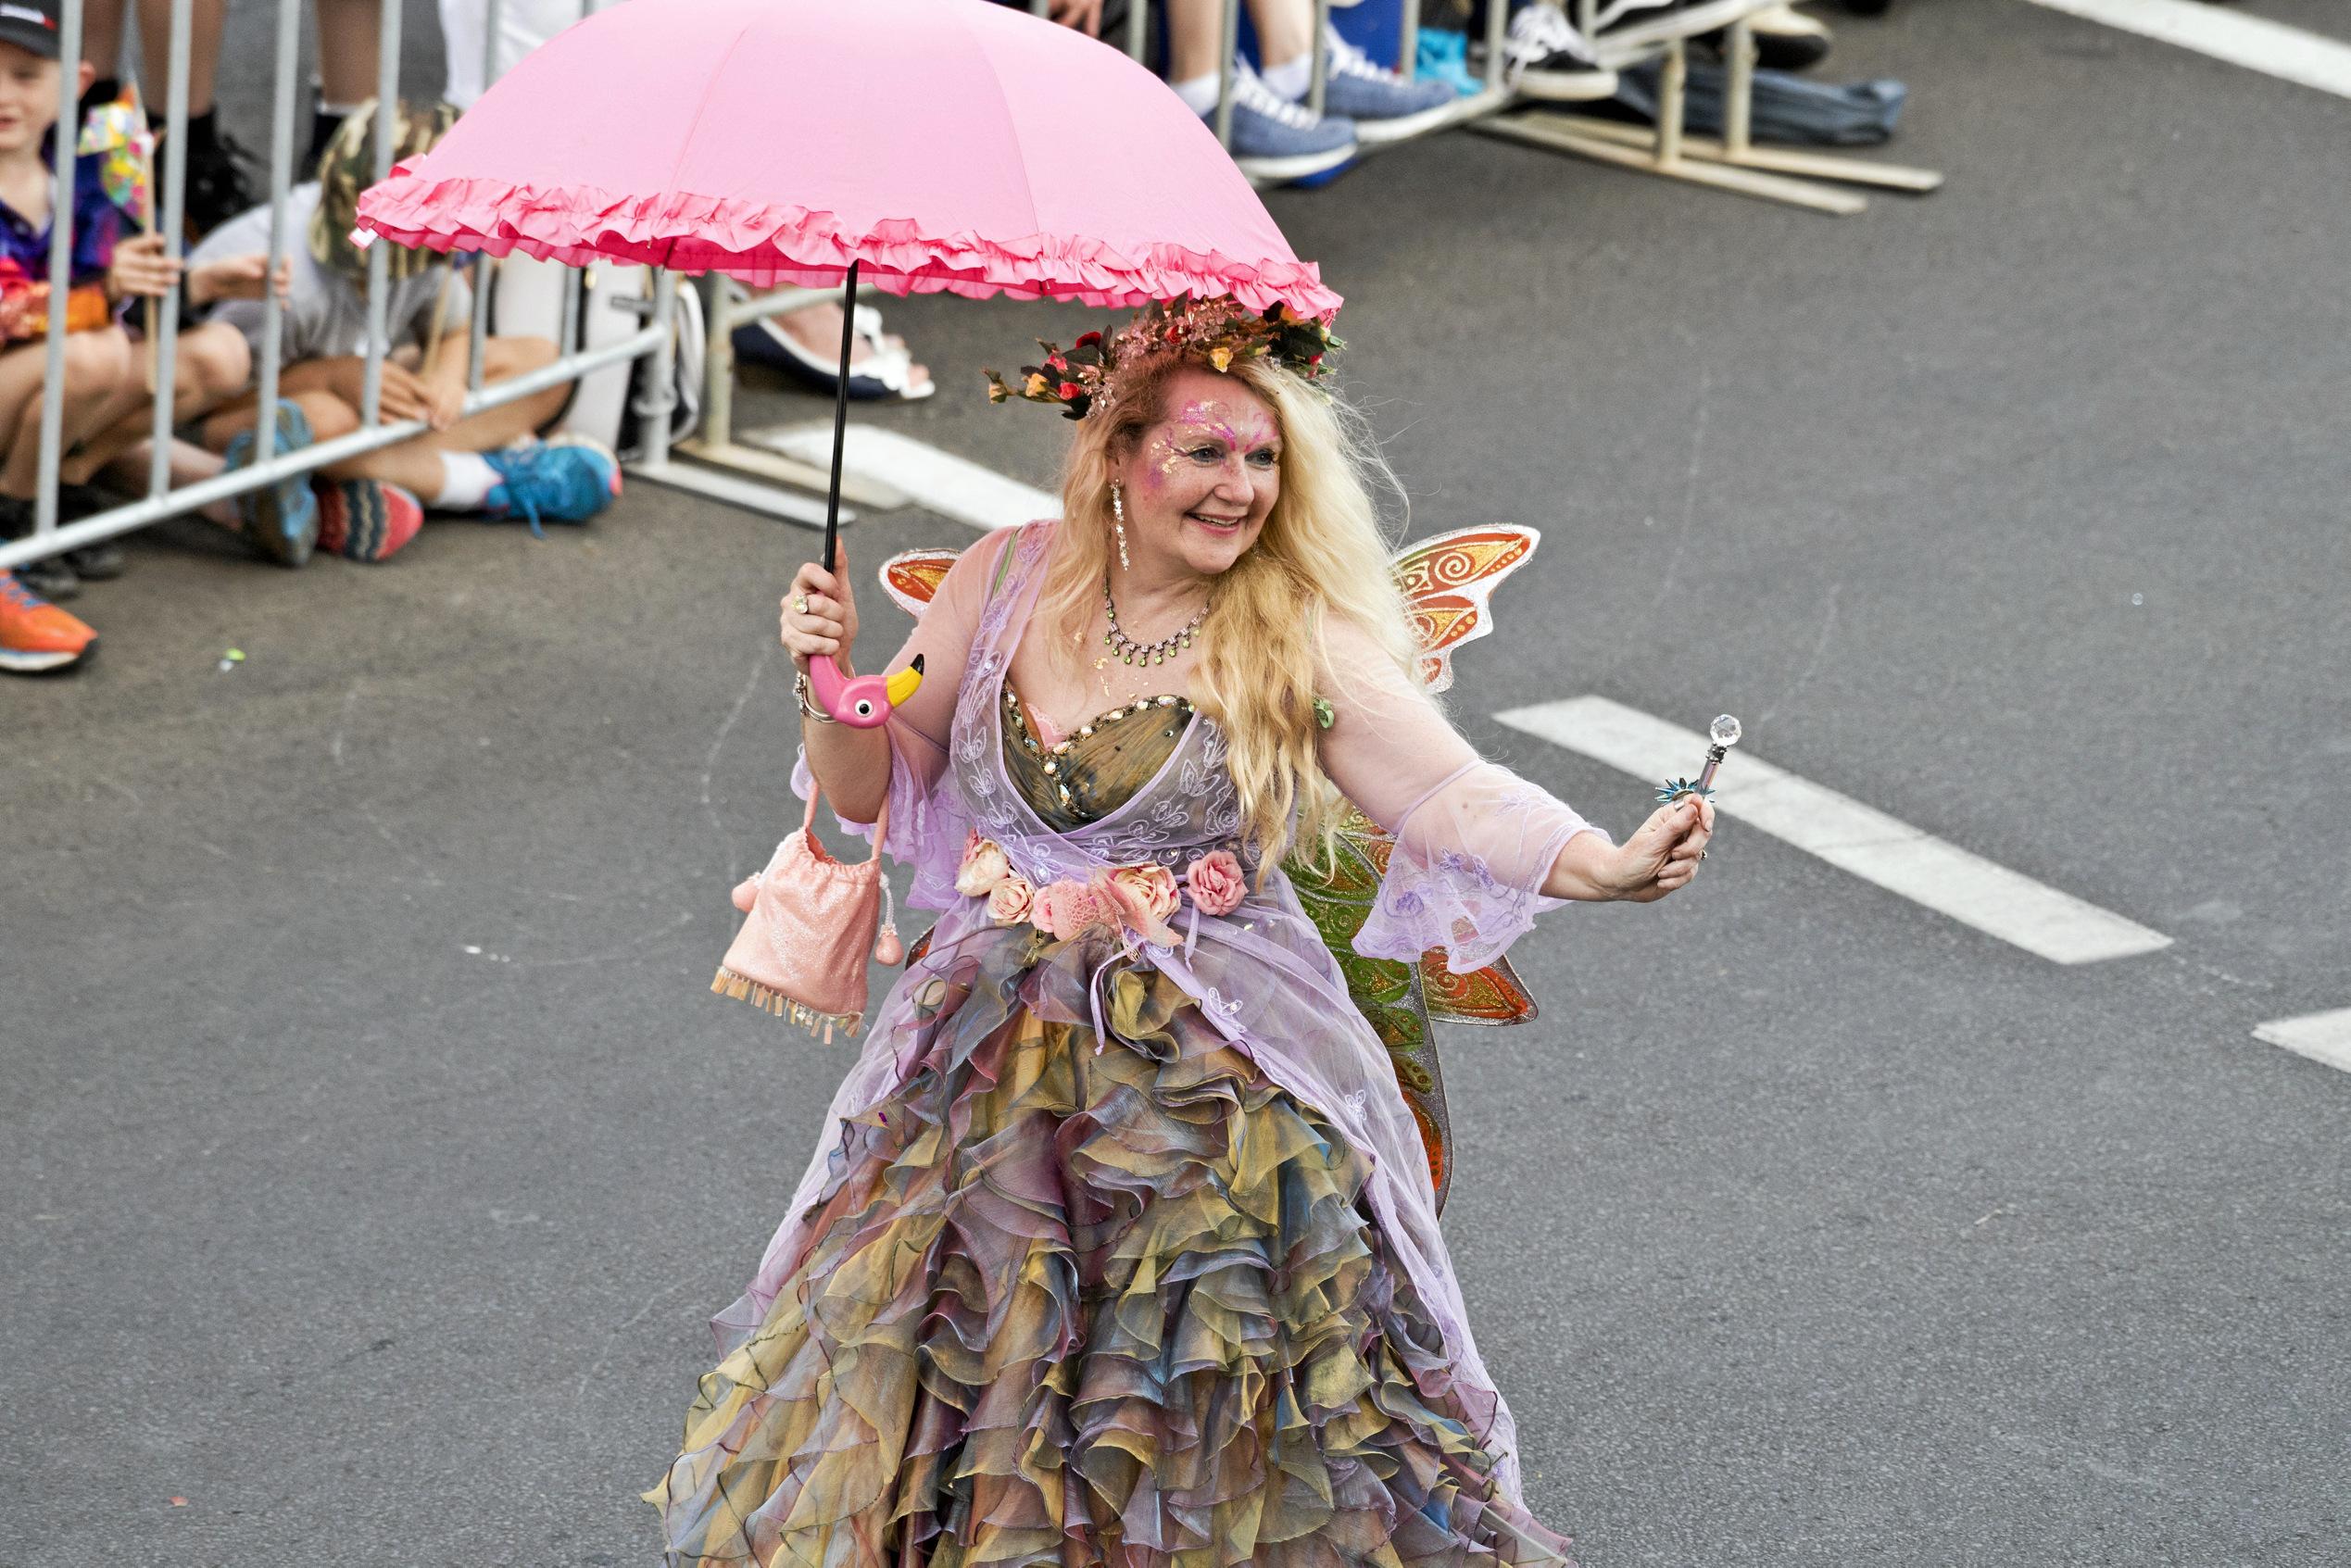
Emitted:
<point x="35" y="635"/>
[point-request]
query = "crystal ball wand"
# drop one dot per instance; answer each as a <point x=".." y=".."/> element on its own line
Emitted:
<point x="1724" y="732"/>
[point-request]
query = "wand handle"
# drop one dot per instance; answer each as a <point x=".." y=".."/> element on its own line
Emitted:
<point x="1713" y="760"/>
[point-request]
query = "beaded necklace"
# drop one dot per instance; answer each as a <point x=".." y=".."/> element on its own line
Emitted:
<point x="1132" y="652"/>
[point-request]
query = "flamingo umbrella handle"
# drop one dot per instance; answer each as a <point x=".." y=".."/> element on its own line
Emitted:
<point x="861" y="702"/>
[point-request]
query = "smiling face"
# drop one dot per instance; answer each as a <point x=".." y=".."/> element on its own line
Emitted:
<point x="29" y="90"/>
<point x="1203" y="476"/>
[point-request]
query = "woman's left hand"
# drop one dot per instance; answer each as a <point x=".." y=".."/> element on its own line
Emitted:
<point x="1663" y="854"/>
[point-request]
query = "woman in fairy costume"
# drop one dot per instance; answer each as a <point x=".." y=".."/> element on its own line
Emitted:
<point x="1121" y="1246"/>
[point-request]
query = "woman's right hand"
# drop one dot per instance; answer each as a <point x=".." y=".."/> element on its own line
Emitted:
<point x="828" y="624"/>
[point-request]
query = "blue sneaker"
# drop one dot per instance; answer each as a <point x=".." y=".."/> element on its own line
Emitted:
<point x="1443" y="56"/>
<point x="1384" y="106"/>
<point x="280" y="519"/>
<point x="1274" y="139"/>
<point x="569" y="479"/>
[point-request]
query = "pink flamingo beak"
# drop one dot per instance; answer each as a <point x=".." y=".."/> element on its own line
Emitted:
<point x="861" y="701"/>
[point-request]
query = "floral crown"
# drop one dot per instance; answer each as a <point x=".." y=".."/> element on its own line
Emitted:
<point x="1216" y="330"/>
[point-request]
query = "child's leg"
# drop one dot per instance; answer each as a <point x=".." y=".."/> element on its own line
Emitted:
<point x="22" y="369"/>
<point x="96" y="364"/>
<point x="417" y="465"/>
<point x="212" y="363"/>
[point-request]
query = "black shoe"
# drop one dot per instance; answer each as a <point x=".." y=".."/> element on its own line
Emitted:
<point x="93" y="563"/>
<point x="100" y="562"/>
<point x="221" y="185"/>
<point x="1786" y="39"/>
<point x="51" y="579"/>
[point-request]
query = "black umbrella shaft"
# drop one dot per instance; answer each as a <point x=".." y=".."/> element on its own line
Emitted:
<point x="840" y="416"/>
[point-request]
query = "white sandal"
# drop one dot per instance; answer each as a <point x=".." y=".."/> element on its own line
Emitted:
<point x="883" y="373"/>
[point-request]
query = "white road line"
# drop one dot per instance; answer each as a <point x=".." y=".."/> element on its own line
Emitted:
<point x="1845" y="832"/>
<point x="2322" y="1036"/>
<point x="939" y="482"/>
<point x="2270" y="47"/>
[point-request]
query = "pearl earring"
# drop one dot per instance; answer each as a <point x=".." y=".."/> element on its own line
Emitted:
<point x="1118" y="523"/>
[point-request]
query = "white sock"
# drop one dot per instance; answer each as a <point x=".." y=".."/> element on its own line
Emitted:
<point x="1291" y="80"/>
<point x="1199" y="93"/>
<point x="466" y="479"/>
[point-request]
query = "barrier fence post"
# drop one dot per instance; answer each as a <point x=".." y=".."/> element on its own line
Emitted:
<point x="1227" y="40"/>
<point x="387" y="92"/>
<point x="1322" y="56"/>
<point x="265" y="431"/>
<point x="662" y="396"/>
<point x="45" y="505"/>
<point x="478" y="332"/>
<point x="164" y="321"/>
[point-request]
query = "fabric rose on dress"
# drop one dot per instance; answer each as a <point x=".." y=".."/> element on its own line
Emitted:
<point x="1009" y="901"/>
<point x="1152" y="885"/>
<point x="1060" y="909"/>
<point x="1215" y="882"/>
<point x="984" y="866"/>
<point x="1141" y="898"/>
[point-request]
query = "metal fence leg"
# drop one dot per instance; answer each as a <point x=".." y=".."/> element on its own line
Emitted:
<point x="1227" y="41"/>
<point x="1319" y="77"/>
<point x="45" y="506"/>
<point x="265" y="430"/>
<point x="164" y="318"/>
<point x="387" y="93"/>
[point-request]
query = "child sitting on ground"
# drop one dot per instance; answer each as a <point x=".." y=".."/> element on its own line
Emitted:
<point x="35" y="635"/>
<point x="368" y="506"/>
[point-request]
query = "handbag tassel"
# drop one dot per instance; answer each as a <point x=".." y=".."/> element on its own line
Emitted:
<point x="745" y="989"/>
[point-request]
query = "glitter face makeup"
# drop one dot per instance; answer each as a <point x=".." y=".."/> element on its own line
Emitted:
<point x="1201" y="481"/>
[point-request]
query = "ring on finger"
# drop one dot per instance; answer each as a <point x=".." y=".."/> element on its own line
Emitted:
<point x="1701" y="854"/>
<point x="799" y="604"/>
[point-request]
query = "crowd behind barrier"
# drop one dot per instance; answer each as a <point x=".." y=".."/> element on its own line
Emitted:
<point x="187" y="329"/>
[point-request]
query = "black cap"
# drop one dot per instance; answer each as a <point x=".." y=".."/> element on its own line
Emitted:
<point x="30" y="25"/>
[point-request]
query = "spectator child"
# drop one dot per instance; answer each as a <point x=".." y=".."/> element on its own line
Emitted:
<point x="368" y="506"/>
<point x="34" y="636"/>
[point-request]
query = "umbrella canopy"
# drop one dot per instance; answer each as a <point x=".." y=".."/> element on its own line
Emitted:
<point x="943" y="144"/>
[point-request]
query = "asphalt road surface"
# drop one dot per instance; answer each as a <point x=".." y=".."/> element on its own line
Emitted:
<point x="374" y="1151"/>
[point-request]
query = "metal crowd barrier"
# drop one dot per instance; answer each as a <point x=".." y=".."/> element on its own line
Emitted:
<point x="269" y="466"/>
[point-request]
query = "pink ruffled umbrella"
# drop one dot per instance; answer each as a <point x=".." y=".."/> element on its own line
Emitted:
<point x="923" y="145"/>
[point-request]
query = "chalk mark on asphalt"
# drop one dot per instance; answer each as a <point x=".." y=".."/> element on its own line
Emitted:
<point x="710" y="764"/>
<point x="1820" y="645"/>
<point x="350" y="701"/>
<point x="1872" y="845"/>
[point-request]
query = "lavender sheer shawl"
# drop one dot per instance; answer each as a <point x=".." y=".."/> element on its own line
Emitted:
<point x="1475" y="842"/>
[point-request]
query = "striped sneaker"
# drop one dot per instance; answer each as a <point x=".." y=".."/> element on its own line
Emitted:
<point x="35" y="635"/>
<point x="365" y="520"/>
<point x="569" y="479"/>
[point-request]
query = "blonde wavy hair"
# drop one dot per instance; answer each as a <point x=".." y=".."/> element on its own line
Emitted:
<point x="1320" y="558"/>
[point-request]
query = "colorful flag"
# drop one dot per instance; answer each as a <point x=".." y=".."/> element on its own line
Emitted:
<point x="117" y="134"/>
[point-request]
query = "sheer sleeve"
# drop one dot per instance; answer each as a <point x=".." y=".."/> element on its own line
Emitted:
<point x="1474" y="841"/>
<point x="926" y="820"/>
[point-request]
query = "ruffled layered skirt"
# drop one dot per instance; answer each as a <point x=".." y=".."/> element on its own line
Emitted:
<point x="1078" y="1297"/>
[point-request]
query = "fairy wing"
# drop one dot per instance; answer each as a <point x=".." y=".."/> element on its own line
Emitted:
<point x="1449" y="579"/>
<point x="911" y="577"/>
<point x="1448" y="583"/>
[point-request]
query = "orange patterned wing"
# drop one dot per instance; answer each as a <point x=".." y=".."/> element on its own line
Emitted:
<point x="913" y="576"/>
<point x="1447" y="580"/>
<point x="1493" y="995"/>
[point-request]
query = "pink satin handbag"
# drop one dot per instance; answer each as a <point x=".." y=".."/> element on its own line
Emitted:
<point x="811" y="920"/>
